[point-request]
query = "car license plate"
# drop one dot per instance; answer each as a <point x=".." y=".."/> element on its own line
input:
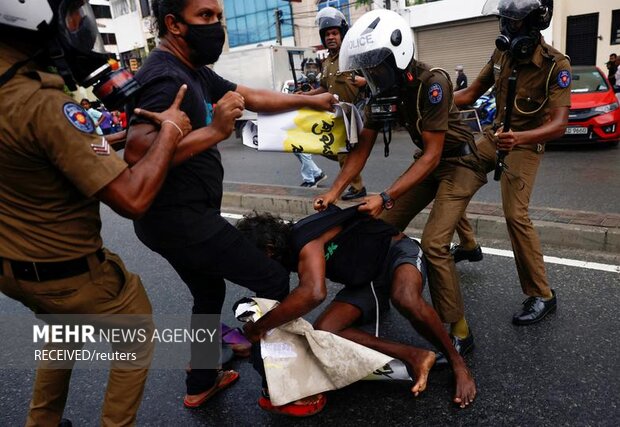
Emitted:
<point x="576" y="130"/>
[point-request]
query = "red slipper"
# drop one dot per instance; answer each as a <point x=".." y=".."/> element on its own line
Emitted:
<point x="224" y="379"/>
<point x="294" y="409"/>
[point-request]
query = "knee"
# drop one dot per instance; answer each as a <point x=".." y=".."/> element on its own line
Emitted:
<point x="515" y="217"/>
<point x="407" y="300"/>
<point x="435" y="248"/>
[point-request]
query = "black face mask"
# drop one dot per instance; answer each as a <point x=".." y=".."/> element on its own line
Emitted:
<point x="205" y="42"/>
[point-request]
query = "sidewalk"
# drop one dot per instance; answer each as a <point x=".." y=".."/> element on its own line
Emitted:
<point x="557" y="227"/>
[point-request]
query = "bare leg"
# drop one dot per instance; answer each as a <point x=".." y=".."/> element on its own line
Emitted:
<point x="338" y="318"/>
<point x="407" y="298"/>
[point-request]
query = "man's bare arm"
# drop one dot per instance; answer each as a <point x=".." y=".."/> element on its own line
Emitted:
<point x="228" y="109"/>
<point x="133" y="191"/>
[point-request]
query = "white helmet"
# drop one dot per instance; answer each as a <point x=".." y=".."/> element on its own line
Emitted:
<point x="378" y="38"/>
<point x="70" y="41"/>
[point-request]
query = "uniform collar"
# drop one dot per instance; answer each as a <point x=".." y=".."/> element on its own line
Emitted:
<point x="333" y="57"/>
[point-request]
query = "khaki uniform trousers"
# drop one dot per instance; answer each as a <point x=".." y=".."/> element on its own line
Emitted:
<point x="108" y="288"/>
<point x="517" y="185"/>
<point x="452" y="185"/>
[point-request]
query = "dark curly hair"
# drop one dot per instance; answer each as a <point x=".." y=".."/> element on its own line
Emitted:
<point x="269" y="233"/>
<point x="161" y="8"/>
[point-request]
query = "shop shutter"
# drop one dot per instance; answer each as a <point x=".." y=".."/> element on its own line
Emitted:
<point x="468" y="43"/>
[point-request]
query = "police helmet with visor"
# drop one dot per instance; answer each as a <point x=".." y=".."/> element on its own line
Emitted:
<point x="70" y="41"/>
<point x="380" y="45"/>
<point x="330" y="17"/>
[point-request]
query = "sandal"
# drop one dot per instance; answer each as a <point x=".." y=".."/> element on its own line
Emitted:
<point x="294" y="409"/>
<point x="224" y="379"/>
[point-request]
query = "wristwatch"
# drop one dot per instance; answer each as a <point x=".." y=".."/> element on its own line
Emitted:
<point x="388" y="202"/>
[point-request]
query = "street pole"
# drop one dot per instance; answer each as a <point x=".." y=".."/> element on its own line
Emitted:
<point x="277" y="13"/>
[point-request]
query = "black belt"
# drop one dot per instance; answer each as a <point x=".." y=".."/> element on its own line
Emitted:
<point x="463" y="150"/>
<point x="44" y="271"/>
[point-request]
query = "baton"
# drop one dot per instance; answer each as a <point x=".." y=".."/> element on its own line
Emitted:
<point x="510" y="100"/>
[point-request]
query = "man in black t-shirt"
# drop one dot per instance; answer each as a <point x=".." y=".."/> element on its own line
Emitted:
<point x="184" y="223"/>
<point x="377" y="264"/>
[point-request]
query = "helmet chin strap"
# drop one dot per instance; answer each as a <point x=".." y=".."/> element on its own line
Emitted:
<point x="57" y="56"/>
<point x="10" y="73"/>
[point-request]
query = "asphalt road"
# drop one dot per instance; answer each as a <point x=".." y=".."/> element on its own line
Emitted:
<point x="562" y="371"/>
<point x="583" y="178"/>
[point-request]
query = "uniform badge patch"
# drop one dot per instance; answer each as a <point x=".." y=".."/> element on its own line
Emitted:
<point x="435" y="93"/>
<point x="564" y="78"/>
<point x="78" y="117"/>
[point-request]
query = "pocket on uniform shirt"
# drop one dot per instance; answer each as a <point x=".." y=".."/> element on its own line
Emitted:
<point x="529" y="103"/>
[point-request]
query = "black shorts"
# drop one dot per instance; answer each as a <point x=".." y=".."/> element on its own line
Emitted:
<point x="403" y="251"/>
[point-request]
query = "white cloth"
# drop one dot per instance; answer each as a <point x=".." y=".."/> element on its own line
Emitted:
<point x="301" y="361"/>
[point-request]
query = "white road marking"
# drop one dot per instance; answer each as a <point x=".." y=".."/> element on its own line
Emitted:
<point x="562" y="261"/>
<point x="501" y="252"/>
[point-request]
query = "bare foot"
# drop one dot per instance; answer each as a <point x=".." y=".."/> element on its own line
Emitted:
<point x="421" y="362"/>
<point x="310" y="400"/>
<point x="465" y="387"/>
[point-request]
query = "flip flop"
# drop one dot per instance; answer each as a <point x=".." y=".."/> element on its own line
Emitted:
<point x="293" y="409"/>
<point x="224" y="379"/>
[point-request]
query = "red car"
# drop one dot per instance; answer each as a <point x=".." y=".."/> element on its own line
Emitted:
<point x="594" y="115"/>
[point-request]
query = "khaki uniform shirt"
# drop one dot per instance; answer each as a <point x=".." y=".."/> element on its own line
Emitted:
<point x="338" y="83"/>
<point x="51" y="164"/>
<point x="543" y="83"/>
<point x="427" y="104"/>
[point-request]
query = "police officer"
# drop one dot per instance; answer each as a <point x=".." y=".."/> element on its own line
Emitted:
<point x="380" y="44"/>
<point x="54" y="171"/>
<point x="540" y="114"/>
<point x="332" y="28"/>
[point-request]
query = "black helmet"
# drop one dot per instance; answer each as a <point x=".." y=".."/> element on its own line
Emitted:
<point x="537" y="12"/>
<point x="330" y="17"/>
<point x="520" y="23"/>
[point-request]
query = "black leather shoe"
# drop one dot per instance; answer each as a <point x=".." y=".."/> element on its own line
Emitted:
<point x="352" y="193"/>
<point x="460" y="254"/>
<point x="534" y="310"/>
<point x="462" y="345"/>
<point x="65" y="423"/>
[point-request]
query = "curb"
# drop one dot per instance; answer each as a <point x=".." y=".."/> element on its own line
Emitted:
<point x="278" y="200"/>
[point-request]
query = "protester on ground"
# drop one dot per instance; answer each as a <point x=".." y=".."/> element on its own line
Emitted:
<point x="184" y="224"/>
<point x="377" y="264"/>
<point x="446" y="171"/>
<point x="543" y="78"/>
<point x="55" y="173"/>
<point x="346" y="85"/>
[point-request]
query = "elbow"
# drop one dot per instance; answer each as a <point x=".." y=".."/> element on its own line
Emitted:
<point x="137" y="210"/>
<point x="317" y="296"/>
<point x="132" y="208"/>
